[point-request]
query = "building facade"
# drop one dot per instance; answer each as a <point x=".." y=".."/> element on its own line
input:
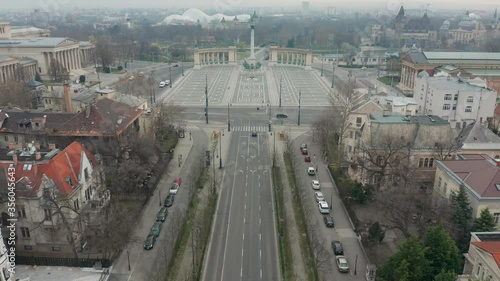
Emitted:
<point x="478" y="174"/>
<point x="214" y="56"/>
<point x="456" y="100"/>
<point x="59" y="195"/>
<point x="289" y="56"/>
<point x="482" y="261"/>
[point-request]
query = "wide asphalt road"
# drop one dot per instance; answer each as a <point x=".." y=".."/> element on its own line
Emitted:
<point x="243" y="244"/>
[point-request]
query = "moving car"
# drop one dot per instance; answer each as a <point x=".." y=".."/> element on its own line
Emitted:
<point x="337" y="248"/>
<point x="254" y="134"/>
<point x="342" y="264"/>
<point x="304" y="151"/>
<point x="281" y="115"/>
<point x="174" y="188"/>
<point x="328" y="221"/>
<point x="315" y="185"/>
<point x="302" y="146"/>
<point x="167" y="82"/>
<point x="311" y="171"/>
<point x="162" y="214"/>
<point x="156" y="228"/>
<point x="178" y="180"/>
<point x="150" y="242"/>
<point x="323" y="207"/>
<point x="319" y="196"/>
<point x="162" y="84"/>
<point x="169" y="201"/>
<point x="307" y="159"/>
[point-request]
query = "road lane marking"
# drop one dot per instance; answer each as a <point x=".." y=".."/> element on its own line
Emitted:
<point x="261" y="273"/>
<point x="241" y="272"/>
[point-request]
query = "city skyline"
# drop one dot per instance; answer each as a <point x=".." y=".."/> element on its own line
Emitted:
<point x="237" y="4"/>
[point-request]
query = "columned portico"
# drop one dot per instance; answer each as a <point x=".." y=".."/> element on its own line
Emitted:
<point x="210" y="56"/>
<point x="299" y="57"/>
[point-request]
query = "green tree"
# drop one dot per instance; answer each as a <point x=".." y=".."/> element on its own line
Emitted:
<point x="37" y="77"/>
<point x="461" y="218"/>
<point x="446" y="276"/>
<point x="409" y="263"/>
<point x="361" y="193"/>
<point x="376" y="233"/>
<point x="442" y="253"/>
<point x="485" y="222"/>
<point x="290" y="43"/>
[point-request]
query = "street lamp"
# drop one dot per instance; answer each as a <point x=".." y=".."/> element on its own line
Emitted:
<point x="152" y="87"/>
<point x="333" y="75"/>
<point x="128" y="259"/>
<point x="170" y="74"/>
<point x="220" y="149"/>
<point x="228" y="120"/>
<point x="159" y="195"/>
<point x="280" y="89"/>
<point x="298" y="121"/>
<point x="182" y="68"/>
<point x="321" y="67"/>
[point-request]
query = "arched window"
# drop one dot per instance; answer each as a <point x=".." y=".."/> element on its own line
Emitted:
<point x="421" y="163"/>
<point x="431" y="162"/>
<point x="379" y="160"/>
<point x="351" y="134"/>
<point x="426" y="162"/>
<point x="497" y="157"/>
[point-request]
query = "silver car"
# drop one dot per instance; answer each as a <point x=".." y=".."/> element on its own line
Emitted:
<point x="323" y="207"/>
<point x="315" y="185"/>
<point x="319" y="196"/>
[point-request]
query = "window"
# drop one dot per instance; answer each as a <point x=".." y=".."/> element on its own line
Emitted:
<point x="456" y="97"/>
<point x="25" y="232"/>
<point x="454" y="107"/>
<point x="379" y="160"/>
<point x="351" y="133"/>
<point x="470" y="99"/>
<point x="446" y="106"/>
<point x="445" y="187"/>
<point x="496" y="216"/>
<point x="28" y="247"/>
<point x="421" y="162"/>
<point x="468" y="108"/>
<point x="447" y="97"/>
<point x="16" y="139"/>
<point x="48" y="214"/>
<point x="350" y="149"/>
<point x="426" y="162"/>
<point x="358" y="121"/>
<point x="76" y="204"/>
<point x="439" y="183"/>
<point x="56" y="249"/>
<point x="6" y="138"/>
<point x="21" y="212"/>
<point x="431" y="162"/>
<point x="86" y="172"/>
<point x="88" y="191"/>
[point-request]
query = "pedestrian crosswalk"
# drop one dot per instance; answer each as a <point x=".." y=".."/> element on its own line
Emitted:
<point x="190" y="127"/>
<point x="250" y="128"/>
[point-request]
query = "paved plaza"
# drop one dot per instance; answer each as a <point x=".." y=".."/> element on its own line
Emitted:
<point x="235" y="86"/>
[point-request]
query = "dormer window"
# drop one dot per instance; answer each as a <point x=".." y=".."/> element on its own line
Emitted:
<point x="27" y="167"/>
<point x="69" y="181"/>
<point x="497" y="185"/>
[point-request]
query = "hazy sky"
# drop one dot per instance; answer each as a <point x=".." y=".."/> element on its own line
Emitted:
<point x="315" y="4"/>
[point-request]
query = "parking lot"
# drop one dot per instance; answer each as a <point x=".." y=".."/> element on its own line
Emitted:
<point x="343" y="230"/>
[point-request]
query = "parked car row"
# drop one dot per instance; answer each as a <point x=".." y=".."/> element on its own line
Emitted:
<point x="162" y="215"/>
<point x="324" y="209"/>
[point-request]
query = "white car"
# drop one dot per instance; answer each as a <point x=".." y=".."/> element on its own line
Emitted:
<point x="162" y="84"/>
<point x="167" y="82"/>
<point x="323" y="207"/>
<point x="174" y="188"/>
<point x="319" y="196"/>
<point x="311" y="171"/>
<point x="315" y="185"/>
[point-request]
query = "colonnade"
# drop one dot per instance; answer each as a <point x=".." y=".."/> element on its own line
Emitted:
<point x="408" y="75"/>
<point x="69" y="58"/>
<point x="299" y="57"/>
<point x="204" y="57"/>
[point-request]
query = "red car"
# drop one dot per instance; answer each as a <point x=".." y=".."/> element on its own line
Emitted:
<point x="307" y="159"/>
<point x="178" y="180"/>
<point x="304" y="151"/>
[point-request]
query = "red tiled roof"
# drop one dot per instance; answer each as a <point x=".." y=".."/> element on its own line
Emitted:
<point x="64" y="165"/>
<point x="482" y="175"/>
<point x="105" y="118"/>
<point x="497" y="110"/>
<point x="492" y="247"/>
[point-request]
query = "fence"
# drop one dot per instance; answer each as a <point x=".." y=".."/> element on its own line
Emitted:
<point x="71" y="262"/>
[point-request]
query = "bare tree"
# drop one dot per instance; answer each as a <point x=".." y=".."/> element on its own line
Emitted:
<point x="104" y="53"/>
<point x="15" y="93"/>
<point x="57" y="72"/>
<point x="445" y="148"/>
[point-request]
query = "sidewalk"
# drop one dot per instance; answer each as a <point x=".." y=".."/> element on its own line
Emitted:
<point x="186" y="266"/>
<point x="121" y="265"/>
<point x="293" y="231"/>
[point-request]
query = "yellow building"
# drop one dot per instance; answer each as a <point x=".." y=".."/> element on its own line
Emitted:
<point x="480" y="176"/>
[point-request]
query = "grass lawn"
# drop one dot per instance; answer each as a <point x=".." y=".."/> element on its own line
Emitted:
<point x="387" y="80"/>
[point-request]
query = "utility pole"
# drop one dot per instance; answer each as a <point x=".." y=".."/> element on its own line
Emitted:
<point x="206" y="99"/>
<point x="270" y="114"/>
<point x="170" y="74"/>
<point x="333" y="75"/>
<point x="228" y="120"/>
<point x="192" y="254"/>
<point x="220" y="149"/>
<point x="152" y="86"/>
<point x="281" y="80"/>
<point x="274" y="150"/>
<point x="298" y="122"/>
<point x="321" y="67"/>
<point x="182" y="68"/>
<point x="159" y="195"/>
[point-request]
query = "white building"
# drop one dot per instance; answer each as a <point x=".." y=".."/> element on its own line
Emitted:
<point x="483" y="258"/>
<point x="459" y="101"/>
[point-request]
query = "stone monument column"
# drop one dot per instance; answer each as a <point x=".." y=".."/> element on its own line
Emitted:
<point x="252" y="39"/>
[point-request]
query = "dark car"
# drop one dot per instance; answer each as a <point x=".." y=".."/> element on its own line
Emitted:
<point x="337" y="248"/>
<point x="169" y="201"/>
<point x="150" y="242"/>
<point x="328" y="221"/>
<point x="156" y="228"/>
<point x="281" y="115"/>
<point x="162" y="214"/>
<point x="307" y="159"/>
<point x="254" y="134"/>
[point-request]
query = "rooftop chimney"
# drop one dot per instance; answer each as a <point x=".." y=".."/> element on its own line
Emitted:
<point x="87" y="111"/>
<point x="67" y="98"/>
<point x="14" y="159"/>
<point x="498" y="162"/>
